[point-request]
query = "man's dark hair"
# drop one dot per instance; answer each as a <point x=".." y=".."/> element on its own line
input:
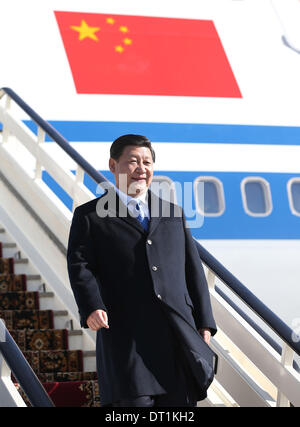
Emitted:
<point x="117" y="147"/>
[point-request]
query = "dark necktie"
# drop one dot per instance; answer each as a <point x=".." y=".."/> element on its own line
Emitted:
<point x="143" y="220"/>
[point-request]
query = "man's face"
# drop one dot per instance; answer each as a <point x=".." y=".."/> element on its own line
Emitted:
<point x="133" y="171"/>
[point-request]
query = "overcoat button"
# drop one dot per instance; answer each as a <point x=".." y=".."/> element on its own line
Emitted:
<point x="159" y="296"/>
<point x="154" y="268"/>
<point x="149" y="242"/>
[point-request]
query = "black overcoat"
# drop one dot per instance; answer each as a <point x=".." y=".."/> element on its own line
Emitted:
<point x="152" y="286"/>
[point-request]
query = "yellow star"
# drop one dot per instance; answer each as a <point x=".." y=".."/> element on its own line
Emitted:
<point x="85" y="31"/>
<point x="119" y="49"/>
<point x="110" y="21"/>
<point x="123" y="29"/>
<point x="127" y="41"/>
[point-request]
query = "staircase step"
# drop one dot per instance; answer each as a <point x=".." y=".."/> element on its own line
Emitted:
<point x="30" y="319"/>
<point x="6" y="265"/>
<point x="21" y="261"/>
<point x="8" y="245"/>
<point x="60" y="312"/>
<point x="13" y="283"/>
<point x="41" y="339"/>
<point x="89" y="353"/>
<point x="60" y="318"/>
<point x="44" y="361"/>
<point x="33" y="277"/>
<point x="9" y="250"/>
<point x="75" y="338"/>
<point x="46" y="294"/>
<point x="19" y="300"/>
<point x="33" y="282"/>
<point x="89" y="360"/>
<point x="46" y="300"/>
<point x="75" y="332"/>
<point x="23" y="265"/>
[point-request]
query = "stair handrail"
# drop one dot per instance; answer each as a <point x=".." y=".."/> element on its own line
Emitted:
<point x="22" y="371"/>
<point x="283" y="331"/>
<point x="253" y="323"/>
<point x="255" y="304"/>
<point x="55" y="135"/>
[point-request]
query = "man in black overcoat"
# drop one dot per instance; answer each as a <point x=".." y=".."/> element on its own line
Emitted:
<point x="138" y="281"/>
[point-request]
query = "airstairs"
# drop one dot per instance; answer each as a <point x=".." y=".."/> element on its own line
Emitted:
<point x="257" y="352"/>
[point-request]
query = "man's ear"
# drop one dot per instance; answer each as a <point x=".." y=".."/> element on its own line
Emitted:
<point x="112" y="165"/>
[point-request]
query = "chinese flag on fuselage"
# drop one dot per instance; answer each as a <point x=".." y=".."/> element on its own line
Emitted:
<point x="140" y="55"/>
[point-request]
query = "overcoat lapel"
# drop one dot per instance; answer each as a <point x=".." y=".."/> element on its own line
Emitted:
<point x="115" y="207"/>
<point x="124" y="214"/>
<point x="155" y="208"/>
<point x="110" y="205"/>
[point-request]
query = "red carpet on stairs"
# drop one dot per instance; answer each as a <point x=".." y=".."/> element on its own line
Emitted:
<point x="12" y="282"/>
<point x="39" y="339"/>
<point x="45" y="348"/>
<point x="73" y="393"/>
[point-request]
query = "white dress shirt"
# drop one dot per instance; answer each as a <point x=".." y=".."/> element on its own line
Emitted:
<point x="131" y="202"/>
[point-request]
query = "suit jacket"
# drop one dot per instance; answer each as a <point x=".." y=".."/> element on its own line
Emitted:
<point x="152" y="286"/>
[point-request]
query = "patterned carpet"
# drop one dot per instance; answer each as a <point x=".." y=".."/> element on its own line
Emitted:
<point x="45" y="348"/>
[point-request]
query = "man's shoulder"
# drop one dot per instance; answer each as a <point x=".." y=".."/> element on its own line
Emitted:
<point x="88" y="207"/>
<point x="165" y="207"/>
<point x="175" y="210"/>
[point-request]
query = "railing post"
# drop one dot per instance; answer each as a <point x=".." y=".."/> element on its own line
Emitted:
<point x="2" y="331"/>
<point x="78" y="181"/>
<point x="287" y="357"/>
<point x="5" y="131"/>
<point x="40" y="140"/>
<point x="211" y="278"/>
<point x="10" y="396"/>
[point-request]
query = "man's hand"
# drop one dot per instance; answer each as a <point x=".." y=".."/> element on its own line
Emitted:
<point x="206" y="334"/>
<point x="97" y="320"/>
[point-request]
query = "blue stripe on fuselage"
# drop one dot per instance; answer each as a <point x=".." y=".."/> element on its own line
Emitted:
<point x="177" y="132"/>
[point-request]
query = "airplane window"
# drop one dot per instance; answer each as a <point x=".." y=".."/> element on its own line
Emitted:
<point x="294" y="195"/>
<point x="209" y="196"/>
<point x="164" y="187"/>
<point x="256" y="202"/>
<point x="256" y="196"/>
